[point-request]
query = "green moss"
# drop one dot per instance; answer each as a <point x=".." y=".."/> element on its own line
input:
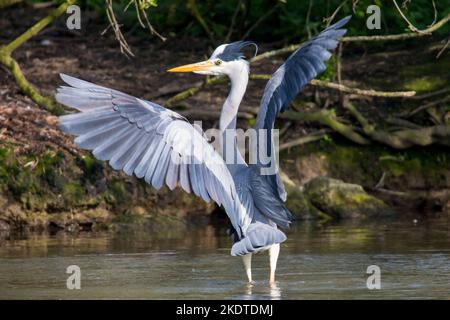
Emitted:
<point x="301" y="206"/>
<point x="364" y="165"/>
<point x="117" y="195"/>
<point x="16" y="179"/>
<point x="426" y="83"/>
<point x="91" y="167"/>
<point x="343" y="200"/>
<point x="426" y="76"/>
<point x="73" y="194"/>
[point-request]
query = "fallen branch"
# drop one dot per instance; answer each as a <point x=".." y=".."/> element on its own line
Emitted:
<point x="406" y="138"/>
<point x="327" y="118"/>
<point x="391" y="37"/>
<point x="343" y="88"/>
<point x="318" y="83"/>
<point x="402" y="123"/>
<point x="315" y="136"/>
<point x="27" y="88"/>
<point x="401" y="36"/>
<point x="8" y="61"/>
<point x="362" y="92"/>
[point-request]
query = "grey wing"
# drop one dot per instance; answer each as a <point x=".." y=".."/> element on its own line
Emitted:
<point x="154" y="143"/>
<point x="302" y="66"/>
<point x="267" y="200"/>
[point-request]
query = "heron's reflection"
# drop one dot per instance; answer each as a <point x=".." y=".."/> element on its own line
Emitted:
<point x="275" y="291"/>
<point x="251" y="288"/>
<point x="248" y="291"/>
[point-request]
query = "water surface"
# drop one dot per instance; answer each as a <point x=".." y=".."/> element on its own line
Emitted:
<point x="192" y="261"/>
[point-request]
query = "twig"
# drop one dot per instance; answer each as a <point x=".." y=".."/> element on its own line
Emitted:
<point x="393" y="192"/>
<point x="43" y="5"/>
<point x="443" y="49"/>
<point x="269" y="54"/>
<point x="431" y="94"/>
<point x="327" y="118"/>
<point x="392" y="37"/>
<point x="362" y="92"/>
<point x="435" y="14"/>
<point x="124" y="47"/>
<point x="333" y="15"/>
<point x="402" y="123"/>
<point x="152" y="29"/>
<point x="304" y="140"/>
<point x="343" y="88"/>
<point x="308" y="15"/>
<point x="380" y="183"/>
<point x="428" y="105"/>
<point x="141" y="9"/>
<point x="401" y="36"/>
<point x="410" y="25"/>
<point x="192" y="6"/>
<point x="319" y="83"/>
<point x="233" y="20"/>
<point x="261" y="19"/>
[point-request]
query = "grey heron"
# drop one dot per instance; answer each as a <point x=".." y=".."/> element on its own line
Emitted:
<point x="154" y="143"/>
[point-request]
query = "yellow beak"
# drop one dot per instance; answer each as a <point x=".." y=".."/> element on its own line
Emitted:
<point x="199" y="66"/>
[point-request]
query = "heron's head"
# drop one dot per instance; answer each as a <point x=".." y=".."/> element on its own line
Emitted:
<point x="227" y="59"/>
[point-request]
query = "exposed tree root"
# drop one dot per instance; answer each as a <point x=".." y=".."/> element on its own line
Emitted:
<point x="405" y="138"/>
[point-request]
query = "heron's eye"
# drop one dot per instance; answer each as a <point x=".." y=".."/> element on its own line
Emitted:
<point x="218" y="62"/>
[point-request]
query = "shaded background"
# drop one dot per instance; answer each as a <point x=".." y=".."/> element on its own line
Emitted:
<point x="385" y="156"/>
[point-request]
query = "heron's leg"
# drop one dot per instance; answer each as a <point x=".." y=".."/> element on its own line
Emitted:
<point x="247" y="259"/>
<point x="274" y="251"/>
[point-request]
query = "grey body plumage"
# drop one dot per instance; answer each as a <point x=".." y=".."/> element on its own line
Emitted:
<point x="156" y="144"/>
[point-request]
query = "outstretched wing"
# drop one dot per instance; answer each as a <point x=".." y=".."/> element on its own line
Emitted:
<point x="154" y="143"/>
<point x="301" y="67"/>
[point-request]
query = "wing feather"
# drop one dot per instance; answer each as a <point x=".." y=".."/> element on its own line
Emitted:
<point x="150" y="141"/>
<point x="302" y="66"/>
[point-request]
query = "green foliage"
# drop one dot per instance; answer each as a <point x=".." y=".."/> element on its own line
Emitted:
<point x="288" y="20"/>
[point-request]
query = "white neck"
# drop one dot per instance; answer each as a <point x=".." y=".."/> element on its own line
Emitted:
<point x="238" y="75"/>
<point x="239" y="81"/>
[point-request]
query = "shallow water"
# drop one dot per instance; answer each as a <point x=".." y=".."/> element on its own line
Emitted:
<point x="193" y="262"/>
